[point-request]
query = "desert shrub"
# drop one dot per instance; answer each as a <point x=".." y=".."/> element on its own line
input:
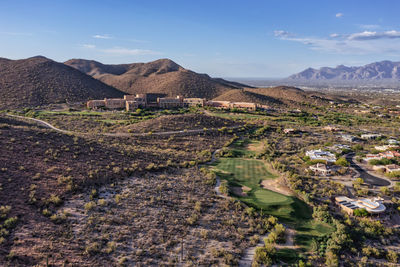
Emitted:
<point x="4" y="210"/>
<point x="46" y="212"/>
<point x="90" y="205"/>
<point x="192" y="219"/>
<point x="394" y="174"/>
<point x="223" y="188"/>
<point x="58" y="218"/>
<point x="111" y="246"/>
<point x="392" y="256"/>
<point x="265" y="255"/>
<point x="102" y="202"/>
<point x="54" y="199"/>
<point x="93" y="248"/>
<point x="10" y="222"/>
<point x="118" y="198"/>
<point x="342" y="162"/>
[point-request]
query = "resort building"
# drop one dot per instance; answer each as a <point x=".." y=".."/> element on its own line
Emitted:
<point x="243" y="105"/>
<point x="373" y="206"/>
<point x="132" y="102"/>
<point x="95" y="104"/>
<point x="194" y="102"/>
<point x="218" y="104"/>
<point x="170" y="102"/>
<point x="114" y="103"/>
<point x="320" y="154"/>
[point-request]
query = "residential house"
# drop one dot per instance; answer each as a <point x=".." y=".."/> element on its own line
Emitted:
<point x="389" y="154"/>
<point x="321" y="169"/>
<point x="369" y="157"/>
<point x="321" y="155"/>
<point x="392" y="168"/>
<point x="370" y="136"/>
<point x="330" y="128"/>
<point x="289" y="130"/>
<point x="373" y="206"/>
<point x="349" y="138"/>
<point x="338" y="148"/>
<point x="385" y="147"/>
<point x="392" y="141"/>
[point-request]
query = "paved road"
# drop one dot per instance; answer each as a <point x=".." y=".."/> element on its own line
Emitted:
<point x="181" y="132"/>
<point x="367" y="177"/>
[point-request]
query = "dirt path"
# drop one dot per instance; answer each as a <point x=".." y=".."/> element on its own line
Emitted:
<point x="182" y="132"/>
<point x="290" y="233"/>
<point x="248" y="256"/>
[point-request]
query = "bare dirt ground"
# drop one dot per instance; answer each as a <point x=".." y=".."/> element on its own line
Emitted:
<point x="255" y="147"/>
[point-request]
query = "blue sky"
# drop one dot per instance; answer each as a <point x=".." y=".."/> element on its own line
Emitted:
<point x="252" y="38"/>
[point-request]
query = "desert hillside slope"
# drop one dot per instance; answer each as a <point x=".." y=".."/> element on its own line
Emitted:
<point x="160" y="76"/>
<point x="277" y="96"/>
<point x="40" y="81"/>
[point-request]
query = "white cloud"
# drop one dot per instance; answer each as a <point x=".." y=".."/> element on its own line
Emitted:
<point x="121" y="50"/>
<point x="368" y="35"/>
<point x="90" y="46"/>
<point x="339" y="15"/>
<point x="282" y="34"/>
<point x="102" y="36"/>
<point x="369" y="26"/>
<point x="357" y="43"/>
<point x="129" y="52"/>
<point x="17" y="33"/>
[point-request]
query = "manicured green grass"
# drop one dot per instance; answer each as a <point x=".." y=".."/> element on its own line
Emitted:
<point x="240" y="148"/>
<point x="287" y="255"/>
<point x="288" y="209"/>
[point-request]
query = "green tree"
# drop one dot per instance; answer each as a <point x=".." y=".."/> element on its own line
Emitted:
<point x="360" y="212"/>
<point x="342" y="162"/>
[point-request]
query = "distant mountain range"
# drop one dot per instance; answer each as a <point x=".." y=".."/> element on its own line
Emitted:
<point x="160" y="76"/>
<point x="379" y="72"/>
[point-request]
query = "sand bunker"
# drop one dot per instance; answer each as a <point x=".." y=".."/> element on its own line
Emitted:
<point x="276" y="186"/>
<point x="240" y="191"/>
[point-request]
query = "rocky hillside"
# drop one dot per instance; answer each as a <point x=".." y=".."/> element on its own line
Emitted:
<point x="40" y="81"/>
<point x="277" y="96"/>
<point x="160" y="76"/>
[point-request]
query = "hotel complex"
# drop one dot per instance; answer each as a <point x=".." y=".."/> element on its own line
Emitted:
<point x="132" y="102"/>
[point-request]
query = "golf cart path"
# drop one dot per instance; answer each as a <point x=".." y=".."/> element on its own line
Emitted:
<point x="184" y="132"/>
